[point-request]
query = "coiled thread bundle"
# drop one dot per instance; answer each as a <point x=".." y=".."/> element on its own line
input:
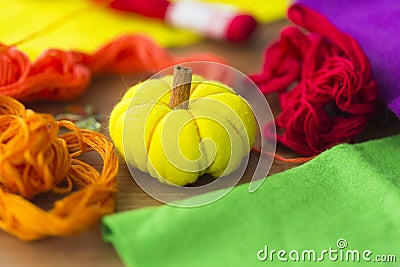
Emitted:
<point x="64" y="75"/>
<point x="34" y="160"/>
<point x="323" y="80"/>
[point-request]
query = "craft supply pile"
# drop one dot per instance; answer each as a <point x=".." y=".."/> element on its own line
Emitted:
<point x="331" y="72"/>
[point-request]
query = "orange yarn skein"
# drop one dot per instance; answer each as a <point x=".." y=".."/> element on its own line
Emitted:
<point x="34" y="160"/>
<point x="64" y="75"/>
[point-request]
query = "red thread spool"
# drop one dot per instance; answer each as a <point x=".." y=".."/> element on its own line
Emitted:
<point x="323" y="80"/>
<point x="214" y="20"/>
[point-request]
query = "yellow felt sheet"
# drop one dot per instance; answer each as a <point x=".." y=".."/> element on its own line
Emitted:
<point x="82" y="26"/>
<point x="76" y="25"/>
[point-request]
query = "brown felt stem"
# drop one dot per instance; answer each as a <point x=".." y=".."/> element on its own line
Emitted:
<point x="181" y="87"/>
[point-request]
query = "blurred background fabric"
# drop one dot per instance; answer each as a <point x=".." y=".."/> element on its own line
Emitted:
<point x="84" y="26"/>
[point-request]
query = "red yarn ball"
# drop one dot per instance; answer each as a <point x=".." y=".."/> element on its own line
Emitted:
<point x="239" y="27"/>
<point x="323" y="80"/>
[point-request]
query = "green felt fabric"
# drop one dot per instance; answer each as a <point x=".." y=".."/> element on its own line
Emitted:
<point x="349" y="191"/>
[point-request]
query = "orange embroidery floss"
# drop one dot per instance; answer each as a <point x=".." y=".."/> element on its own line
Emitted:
<point x="35" y="159"/>
<point x="64" y="75"/>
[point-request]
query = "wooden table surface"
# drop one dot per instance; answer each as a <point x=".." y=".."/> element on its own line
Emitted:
<point x="88" y="248"/>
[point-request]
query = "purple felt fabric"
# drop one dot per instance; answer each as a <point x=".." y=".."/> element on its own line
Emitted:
<point x="376" y="26"/>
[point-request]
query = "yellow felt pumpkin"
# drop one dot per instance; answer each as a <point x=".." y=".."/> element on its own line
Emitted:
<point x="177" y="145"/>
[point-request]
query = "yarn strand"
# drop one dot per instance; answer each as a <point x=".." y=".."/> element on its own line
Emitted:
<point x="281" y="158"/>
<point x="34" y="159"/>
